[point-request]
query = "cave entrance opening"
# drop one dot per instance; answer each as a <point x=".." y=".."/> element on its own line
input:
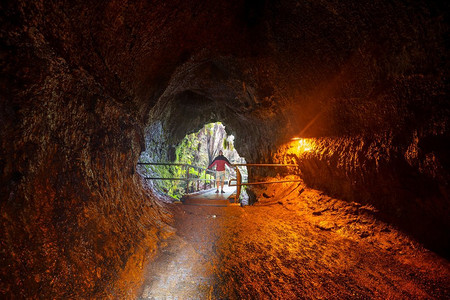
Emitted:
<point x="195" y="149"/>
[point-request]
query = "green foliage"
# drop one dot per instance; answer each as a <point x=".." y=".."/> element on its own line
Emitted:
<point x="186" y="152"/>
<point x="192" y="150"/>
<point x="171" y="188"/>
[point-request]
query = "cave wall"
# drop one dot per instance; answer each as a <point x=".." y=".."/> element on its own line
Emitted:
<point x="81" y="82"/>
<point x="407" y="185"/>
<point x="75" y="221"/>
<point x="208" y="89"/>
<point x="77" y="82"/>
<point x="380" y="119"/>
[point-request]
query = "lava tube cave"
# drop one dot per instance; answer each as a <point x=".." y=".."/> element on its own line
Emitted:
<point x="340" y="109"/>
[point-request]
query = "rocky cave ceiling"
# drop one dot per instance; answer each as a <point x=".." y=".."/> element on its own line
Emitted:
<point x="81" y="81"/>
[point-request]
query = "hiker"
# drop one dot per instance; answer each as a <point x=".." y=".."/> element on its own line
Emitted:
<point x="220" y="162"/>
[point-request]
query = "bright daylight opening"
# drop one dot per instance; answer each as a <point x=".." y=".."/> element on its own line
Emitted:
<point x="188" y="170"/>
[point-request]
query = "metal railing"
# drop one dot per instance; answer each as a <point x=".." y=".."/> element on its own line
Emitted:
<point x="208" y="182"/>
<point x="239" y="182"/>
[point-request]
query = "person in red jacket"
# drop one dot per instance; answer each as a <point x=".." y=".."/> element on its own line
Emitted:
<point x="220" y="162"/>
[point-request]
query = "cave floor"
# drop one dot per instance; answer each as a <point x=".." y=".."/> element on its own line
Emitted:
<point x="211" y="198"/>
<point x="292" y="245"/>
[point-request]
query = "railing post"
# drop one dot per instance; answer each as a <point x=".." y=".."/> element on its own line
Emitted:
<point x="238" y="183"/>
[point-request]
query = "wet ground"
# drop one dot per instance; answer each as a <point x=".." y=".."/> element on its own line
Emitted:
<point x="297" y="243"/>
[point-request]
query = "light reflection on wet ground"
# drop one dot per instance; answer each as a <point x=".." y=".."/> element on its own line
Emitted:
<point x="292" y="246"/>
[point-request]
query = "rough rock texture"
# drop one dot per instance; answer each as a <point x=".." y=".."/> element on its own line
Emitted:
<point x="408" y="186"/>
<point x="75" y="222"/>
<point x="81" y="81"/>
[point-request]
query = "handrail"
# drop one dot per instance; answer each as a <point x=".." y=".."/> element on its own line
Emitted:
<point x="261" y="182"/>
<point x="265" y="165"/>
<point x="173" y="164"/>
<point x="208" y="172"/>
<point x="239" y="182"/>
<point x="238" y="178"/>
<point x="175" y="178"/>
<point x="160" y="163"/>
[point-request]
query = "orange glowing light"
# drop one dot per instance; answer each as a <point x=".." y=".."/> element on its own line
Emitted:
<point x="303" y="145"/>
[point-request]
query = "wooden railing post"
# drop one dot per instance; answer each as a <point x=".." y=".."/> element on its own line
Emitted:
<point x="238" y="188"/>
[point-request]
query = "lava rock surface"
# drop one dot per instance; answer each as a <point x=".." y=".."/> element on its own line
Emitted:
<point x="81" y="82"/>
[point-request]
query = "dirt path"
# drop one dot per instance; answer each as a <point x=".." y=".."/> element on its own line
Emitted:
<point x="294" y="245"/>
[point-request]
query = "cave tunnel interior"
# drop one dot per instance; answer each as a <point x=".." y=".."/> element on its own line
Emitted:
<point x="355" y="93"/>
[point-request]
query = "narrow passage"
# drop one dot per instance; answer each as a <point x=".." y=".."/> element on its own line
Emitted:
<point x="298" y="243"/>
